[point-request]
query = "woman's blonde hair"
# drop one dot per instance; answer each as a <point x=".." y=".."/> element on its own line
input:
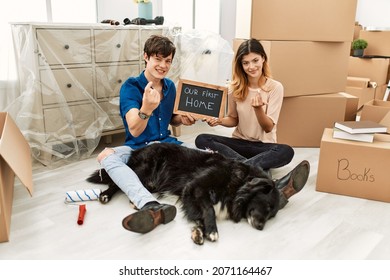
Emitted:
<point x="239" y="84"/>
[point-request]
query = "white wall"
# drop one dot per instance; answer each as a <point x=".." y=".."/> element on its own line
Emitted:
<point x="373" y="13"/>
<point x="228" y="20"/>
<point x="116" y="10"/>
<point x="121" y="9"/>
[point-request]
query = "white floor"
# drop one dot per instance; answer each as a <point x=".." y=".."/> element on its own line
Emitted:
<point x="313" y="226"/>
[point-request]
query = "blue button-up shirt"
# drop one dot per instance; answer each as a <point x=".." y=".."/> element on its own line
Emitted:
<point x="157" y="128"/>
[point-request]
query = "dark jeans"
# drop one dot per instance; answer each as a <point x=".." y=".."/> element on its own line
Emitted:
<point x="265" y="155"/>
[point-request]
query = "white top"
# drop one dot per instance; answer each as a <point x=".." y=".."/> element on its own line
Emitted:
<point x="248" y="127"/>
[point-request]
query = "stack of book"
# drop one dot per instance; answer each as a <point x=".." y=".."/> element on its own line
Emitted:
<point x="358" y="130"/>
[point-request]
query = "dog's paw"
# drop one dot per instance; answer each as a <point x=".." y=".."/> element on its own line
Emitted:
<point x="213" y="236"/>
<point x="197" y="235"/>
<point x="104" y="198"/>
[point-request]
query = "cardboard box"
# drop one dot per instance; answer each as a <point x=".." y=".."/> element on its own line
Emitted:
<point x="373" y="68"/>
<point x="358" y="82"/>
<point x="354" y="168"/>
<point x="375" y="110"/>
<point x="386" y="121"/>
<point x="388" y="74"/>
<point x="356" y="32"/>
<point x="300" y="20"/>
<point x="380" y="92"/>
<point x="378" y="42"/>
<point x="303" y="119"/>
<point x="365" y="94"/>
<point x="307" y="68"/>
<point x="15" y="159"/>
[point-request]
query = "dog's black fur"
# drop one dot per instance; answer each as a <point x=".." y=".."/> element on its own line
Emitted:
<point x="201" y="180"/>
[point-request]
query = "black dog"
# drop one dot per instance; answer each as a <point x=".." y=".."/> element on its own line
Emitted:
<point x="202" y="180"/>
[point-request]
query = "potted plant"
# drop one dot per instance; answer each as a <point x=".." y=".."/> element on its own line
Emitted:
<point x="358" y="47"/>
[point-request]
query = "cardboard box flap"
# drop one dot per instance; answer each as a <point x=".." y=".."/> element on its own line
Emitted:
<point x="15" y="150"/>
<point x="375" y="110"/>
<point x="382" y="137"/>
<point x="386" y="121"/>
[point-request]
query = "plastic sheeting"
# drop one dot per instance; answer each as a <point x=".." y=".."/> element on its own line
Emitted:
<point x="70" y="76"/>
<point x="205" y="57"/>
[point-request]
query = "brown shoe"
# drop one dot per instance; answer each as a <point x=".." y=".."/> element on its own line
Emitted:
<point x="149" y="217"/>
<point x="295" y="180"/>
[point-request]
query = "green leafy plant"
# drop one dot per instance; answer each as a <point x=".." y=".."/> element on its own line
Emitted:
<point x="359" y="44"/>
<point x="141" y="1"/>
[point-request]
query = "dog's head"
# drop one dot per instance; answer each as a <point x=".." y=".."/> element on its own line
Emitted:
<point x="257" y="201"/>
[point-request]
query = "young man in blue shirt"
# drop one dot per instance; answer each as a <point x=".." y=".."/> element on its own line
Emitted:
<point x="146" y="107"/>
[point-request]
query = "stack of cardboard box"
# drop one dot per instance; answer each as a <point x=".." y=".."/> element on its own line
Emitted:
<point x="371" y="70"/>
<point x="308" y="47"/>
<point x="355" y="168"/>
<point x="375" y="65"/>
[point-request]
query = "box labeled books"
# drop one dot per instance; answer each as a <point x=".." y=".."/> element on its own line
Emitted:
<point x="354" y="168"/>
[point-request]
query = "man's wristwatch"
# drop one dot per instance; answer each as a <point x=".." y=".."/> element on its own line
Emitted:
<point x="143" y="116"/>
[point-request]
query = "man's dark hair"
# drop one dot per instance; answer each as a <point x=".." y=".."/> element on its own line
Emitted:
<point x="159" y="45"/>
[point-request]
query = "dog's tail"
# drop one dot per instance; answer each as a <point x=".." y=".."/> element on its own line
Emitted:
<point x="99" y="176"/>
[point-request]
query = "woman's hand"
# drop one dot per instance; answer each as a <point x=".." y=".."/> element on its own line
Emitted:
<point x="257" y="101"/>
<point x="212" y="121"/>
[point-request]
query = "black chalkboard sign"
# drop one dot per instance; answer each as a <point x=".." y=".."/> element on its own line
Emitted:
<point x="200" y="99"/>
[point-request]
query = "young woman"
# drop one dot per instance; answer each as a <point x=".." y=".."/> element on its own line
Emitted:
<point x="254" y="103"/>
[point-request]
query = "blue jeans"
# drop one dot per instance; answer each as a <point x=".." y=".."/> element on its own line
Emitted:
<point x="264" y="155"/>
<point x="125" y="178"/>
